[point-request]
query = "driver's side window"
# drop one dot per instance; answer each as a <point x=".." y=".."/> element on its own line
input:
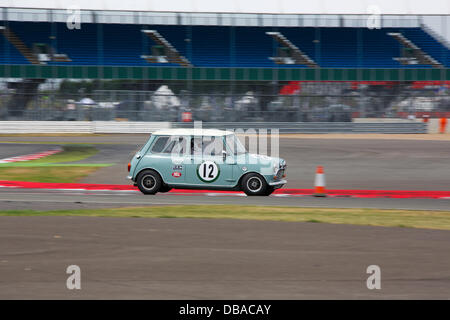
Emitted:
<point x="216" y="146"/>
<point x="207" y="146"/>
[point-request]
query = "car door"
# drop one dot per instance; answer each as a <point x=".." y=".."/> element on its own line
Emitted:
<point x="207" y="167"/>
<point x="168" y="156"/>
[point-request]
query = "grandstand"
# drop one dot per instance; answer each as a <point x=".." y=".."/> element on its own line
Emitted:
<point x="221" y="67"/>
<point x="220" y="46"/>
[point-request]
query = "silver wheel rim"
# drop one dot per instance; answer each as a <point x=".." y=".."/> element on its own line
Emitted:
<point x="148" y="182"/>
<point x="254" y="184"/>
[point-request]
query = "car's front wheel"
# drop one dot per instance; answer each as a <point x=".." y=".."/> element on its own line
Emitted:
<point x="165" y="188"/>
<point x="269" y="191"/>
<point x="149" y="182"/>
<point x="254" y="184"/>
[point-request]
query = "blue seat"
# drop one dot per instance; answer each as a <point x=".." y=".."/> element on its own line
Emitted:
<point x="220" y="46"/>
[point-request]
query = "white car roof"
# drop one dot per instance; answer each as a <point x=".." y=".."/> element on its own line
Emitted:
<point x="192" y="132"/>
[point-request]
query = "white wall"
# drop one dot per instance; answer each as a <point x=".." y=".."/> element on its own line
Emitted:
<point x="80" y="127"/>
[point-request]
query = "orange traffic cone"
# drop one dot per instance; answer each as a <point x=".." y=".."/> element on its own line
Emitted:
<point x="442" y="125"/>
<point x="319" y="183"/>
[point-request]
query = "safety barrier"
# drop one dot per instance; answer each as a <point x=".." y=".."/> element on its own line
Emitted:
<point x="127" y="127"/>
<point x="318" y="127"/>
<point x="45" y="127"/>
<point x="7" y="127"/>
<point x="80" y="127"/>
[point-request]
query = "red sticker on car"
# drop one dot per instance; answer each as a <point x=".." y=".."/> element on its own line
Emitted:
<point x="176" y="174"/>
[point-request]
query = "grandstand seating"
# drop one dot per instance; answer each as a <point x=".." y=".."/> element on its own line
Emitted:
<point x="209" y="46"/>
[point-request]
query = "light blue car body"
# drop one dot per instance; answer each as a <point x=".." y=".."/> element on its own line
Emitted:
<point x="183" y="171"/>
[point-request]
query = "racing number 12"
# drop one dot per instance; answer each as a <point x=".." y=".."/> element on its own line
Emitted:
<point x="211" y="169"/>
<point x="208" y="171"/>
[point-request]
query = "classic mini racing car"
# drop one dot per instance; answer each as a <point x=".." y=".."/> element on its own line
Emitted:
<point x="203" y="159"/>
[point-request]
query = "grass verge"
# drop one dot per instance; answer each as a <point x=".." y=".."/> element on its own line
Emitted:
<point x="52" y="135"/>
<point x="58" y="142"/>
<point x="70" y="153"/>
<point x="369" y="217"/>
<point x="63" y="174"/>
<point x="53" y="168"/>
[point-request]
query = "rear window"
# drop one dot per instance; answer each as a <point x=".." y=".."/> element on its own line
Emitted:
<point x="159" y="144"/>
<point x="166" y="144"/>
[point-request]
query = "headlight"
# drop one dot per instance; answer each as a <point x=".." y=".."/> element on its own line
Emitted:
<point x="276" y="167"/>
<point x="279" y="170"/>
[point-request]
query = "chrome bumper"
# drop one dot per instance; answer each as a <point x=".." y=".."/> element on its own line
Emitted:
<point x="130" y="177"/>
<point x="276" y="183"/>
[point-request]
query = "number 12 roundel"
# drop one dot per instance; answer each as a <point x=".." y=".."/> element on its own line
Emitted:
<point x="208" y="171"/>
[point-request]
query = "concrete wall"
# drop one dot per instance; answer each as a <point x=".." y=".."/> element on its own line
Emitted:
<point x="384" y="120"/>
<point x="11" y="127"/>
<point x="80" y="126"/>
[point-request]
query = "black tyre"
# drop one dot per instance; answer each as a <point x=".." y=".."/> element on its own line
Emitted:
<point x="165" y="188"/>
<point x="149" y="182"/>
<point x="254" y="184"/>
<point x="269" y="191"/>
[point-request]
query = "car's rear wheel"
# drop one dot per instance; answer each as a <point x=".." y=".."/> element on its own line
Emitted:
<point x="149" y="182"/>
<point x="254" y="184"/>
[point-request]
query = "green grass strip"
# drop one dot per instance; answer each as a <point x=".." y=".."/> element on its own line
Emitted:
<point x="70" y="153"/>
<point x="61" y="142"/>
<point x="58" y="167"/>
<point x="368" y="217"/>
<point x="28" y="164"/>
<point x="67" y="174"/>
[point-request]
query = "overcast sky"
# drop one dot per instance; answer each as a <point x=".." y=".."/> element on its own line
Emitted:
<point x="414" y="7"/>
<point x="250" y="6"/>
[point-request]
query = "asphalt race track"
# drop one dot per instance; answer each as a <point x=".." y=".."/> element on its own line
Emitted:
<point x="230" y="259"/>
<point x="139" y="258"/>
<point x="348" y="163"/>
<point x="21" y="199"/>
<point x="13" y="150"/>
